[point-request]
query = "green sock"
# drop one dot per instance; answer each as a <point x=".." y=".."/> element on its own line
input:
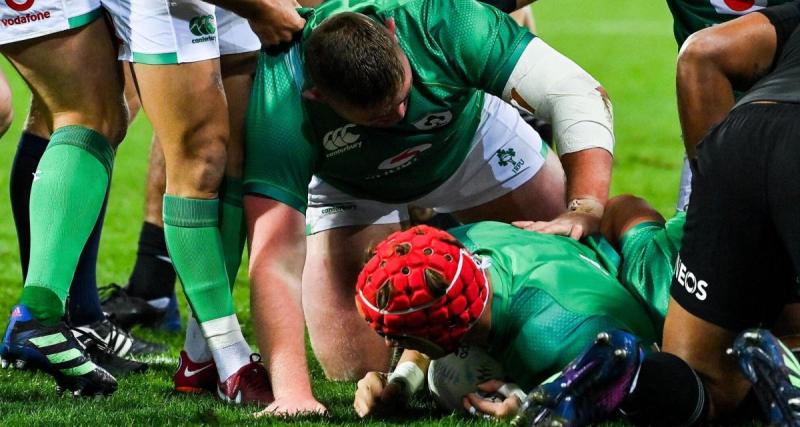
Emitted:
<point x="232" y="226"/>
<point x="195" y="247"/>
<point x="67" y="193"/>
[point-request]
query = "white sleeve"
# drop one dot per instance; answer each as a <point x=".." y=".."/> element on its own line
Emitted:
<point x="563" y="94"/>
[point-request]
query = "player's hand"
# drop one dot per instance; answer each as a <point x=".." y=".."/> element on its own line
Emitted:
<point x="374" y="394"/>
<point x="277" y="21"/>
<point x="291" y="407"/>
<point x="571" y="224"/>
<point x="492" y="408"/>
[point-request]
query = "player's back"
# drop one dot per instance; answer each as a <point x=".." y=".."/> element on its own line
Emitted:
<point x="551" y="295"/>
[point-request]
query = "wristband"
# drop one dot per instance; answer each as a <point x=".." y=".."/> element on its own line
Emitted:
<point x="409" y="374"/>
<point x="511" y="389"/>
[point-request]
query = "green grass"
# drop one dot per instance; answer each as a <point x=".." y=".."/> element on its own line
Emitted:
<point x="627" y="45"/>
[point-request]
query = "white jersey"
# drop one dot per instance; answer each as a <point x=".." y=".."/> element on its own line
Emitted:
<point x="28" y="19"/>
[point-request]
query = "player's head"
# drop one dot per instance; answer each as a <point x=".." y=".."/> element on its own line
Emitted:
<point x="357" y="67"/>
<point x="423" y="290"/>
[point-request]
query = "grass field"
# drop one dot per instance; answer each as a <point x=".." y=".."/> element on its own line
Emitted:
<point x="626" y="44"/>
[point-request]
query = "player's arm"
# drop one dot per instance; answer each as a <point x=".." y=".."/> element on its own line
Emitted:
<point x="720" y="59"/>
<point x="274" y="21"/>
<point x="279" y="163"/>
<point x="624" y="212"/>
<point x="507" y="61"/>
<point x="380" y="391"/>
<point x="557" y="90"/>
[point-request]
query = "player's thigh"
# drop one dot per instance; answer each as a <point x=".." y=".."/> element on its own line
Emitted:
<point x="702" y="345"/>
<point x="542" y="197"/>
<point x="237" y="78"/>
<point x="333" y="261"/>
<point x="84" y="86"/>
<point x="187" y="107"/>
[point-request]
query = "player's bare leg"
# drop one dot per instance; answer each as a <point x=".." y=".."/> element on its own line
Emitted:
<point x="542" y="198"/>
<point x="342" y="341"/>
<point x="702" y="345"/>
<point x="6" y="108"/>
<point x="85" y="108"/>
<point x="190" y="117"/>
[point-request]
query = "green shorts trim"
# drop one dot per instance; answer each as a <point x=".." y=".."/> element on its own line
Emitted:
<point x="85" y="19"/>
<point x="155" y="58"/>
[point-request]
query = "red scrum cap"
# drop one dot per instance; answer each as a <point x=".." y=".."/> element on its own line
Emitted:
<point x="421" y="283"/>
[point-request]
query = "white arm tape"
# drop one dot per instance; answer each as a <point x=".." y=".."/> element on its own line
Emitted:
<point x="511" y="389"/>
<point x="563" y="94"/>
<point x="410" y="374"/>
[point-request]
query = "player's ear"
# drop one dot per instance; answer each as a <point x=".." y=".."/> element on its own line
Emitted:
<point x="313" y="94"/>
<point x="391" y="26"/>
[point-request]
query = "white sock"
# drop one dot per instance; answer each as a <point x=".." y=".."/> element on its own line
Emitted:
<point x="227" y="344"/>
<point x="195" y="344"/>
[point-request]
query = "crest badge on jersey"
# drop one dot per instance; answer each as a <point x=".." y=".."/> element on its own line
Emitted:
<point x="434" y="120"/>
<point x="738" y="7"/>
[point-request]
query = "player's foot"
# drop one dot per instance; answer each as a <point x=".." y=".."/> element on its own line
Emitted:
<point x="172" y="318"/>
<point x="193" y="377"/>
<point x="128" y="310"/>
<point x="774" y="372"/>
<point x="589" y="389"/>
<point x="53" y="349"/>
<point x="105" y="357"/>
<point x="115" y="338"/>
<point x="249" y="385"/>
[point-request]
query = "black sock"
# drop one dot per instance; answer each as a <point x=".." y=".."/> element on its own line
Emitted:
<point x="83" y="302"/>
<point x="153" y="275"/>
<point x="667" y="393"/>
<point x="29" y="151"/>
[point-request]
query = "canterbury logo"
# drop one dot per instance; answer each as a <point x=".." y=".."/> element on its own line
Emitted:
<point x="202" y="25"/>
<point x="340" y="138"/>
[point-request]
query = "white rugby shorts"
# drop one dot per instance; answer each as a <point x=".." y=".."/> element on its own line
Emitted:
<point x="173" y="32"/>
<point x="506" y="153"/>
<point x="28" y="19"/>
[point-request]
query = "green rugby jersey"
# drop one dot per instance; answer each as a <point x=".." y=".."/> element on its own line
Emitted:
<point x="694" y="15"/>
<point x="551" y="296"/>
<point x="458" y="50"/>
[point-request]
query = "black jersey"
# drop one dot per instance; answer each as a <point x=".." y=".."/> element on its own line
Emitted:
<point x="782" y="84"/>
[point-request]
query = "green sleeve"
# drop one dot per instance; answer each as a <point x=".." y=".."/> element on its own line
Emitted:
<point x="280" y="157"/>
<point x="649" y="251"/>
<point x="481" y="43"/>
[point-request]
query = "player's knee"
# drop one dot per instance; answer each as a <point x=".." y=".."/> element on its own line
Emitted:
<point x="203" y="160"/>
<point x="700" y="48"/>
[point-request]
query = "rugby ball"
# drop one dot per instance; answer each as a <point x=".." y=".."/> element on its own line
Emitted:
<point x="452" y="377"/>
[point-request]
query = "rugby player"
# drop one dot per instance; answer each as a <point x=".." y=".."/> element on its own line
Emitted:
<point x="107" y="344"/>
<point x="532" y="300"/>
<point x="690" y="16"/>
<point x="739" y="259"/>
<point x="174" y="49"/>
<point x="88" y="120"/>
<point x="382" y="105"/>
